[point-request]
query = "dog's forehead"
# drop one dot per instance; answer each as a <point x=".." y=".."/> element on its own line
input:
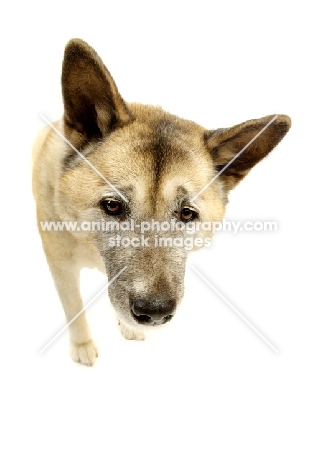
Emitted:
<point x="158" y="159"/>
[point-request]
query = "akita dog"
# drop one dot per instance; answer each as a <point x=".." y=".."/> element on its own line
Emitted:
<point x="109" y="162"/>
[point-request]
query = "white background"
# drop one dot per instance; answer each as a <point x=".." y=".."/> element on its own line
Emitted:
<point x="207" y="391"/>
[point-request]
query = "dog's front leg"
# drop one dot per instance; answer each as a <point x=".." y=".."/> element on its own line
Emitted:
<point x="67" y="282"/>
<point x="129" y="333"/>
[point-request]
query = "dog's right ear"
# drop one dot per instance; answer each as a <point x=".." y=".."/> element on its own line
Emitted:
<point x="237" y="149"/>
<point x="93" y="105"/>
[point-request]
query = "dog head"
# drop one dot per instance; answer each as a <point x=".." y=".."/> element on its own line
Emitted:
<point x="154" y="175"/>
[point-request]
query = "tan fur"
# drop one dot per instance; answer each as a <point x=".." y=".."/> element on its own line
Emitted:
<point x="158" y="161"/>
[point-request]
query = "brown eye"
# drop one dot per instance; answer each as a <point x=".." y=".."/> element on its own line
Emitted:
<point x="111" y="207"/>
<point x="187" y="215"/>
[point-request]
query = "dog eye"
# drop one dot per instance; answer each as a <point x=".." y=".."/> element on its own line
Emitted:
<point x="187" y="214"/>
<point x="111" y="207"/>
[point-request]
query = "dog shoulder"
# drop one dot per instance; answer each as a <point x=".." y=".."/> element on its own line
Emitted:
<point x="47" y="154"/>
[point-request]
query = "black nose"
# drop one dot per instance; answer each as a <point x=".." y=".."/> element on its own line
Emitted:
<point x="152" y="311"/>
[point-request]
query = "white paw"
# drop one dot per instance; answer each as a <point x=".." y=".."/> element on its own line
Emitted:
<point x="130" y="333"/>
<point x="84" y="353"/>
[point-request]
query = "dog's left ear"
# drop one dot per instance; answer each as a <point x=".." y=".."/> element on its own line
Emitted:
<point x="92" y="102"/>
<point x="253" y="139"/>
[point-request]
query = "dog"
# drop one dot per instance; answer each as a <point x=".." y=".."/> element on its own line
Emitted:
<point x="109" y="161"/>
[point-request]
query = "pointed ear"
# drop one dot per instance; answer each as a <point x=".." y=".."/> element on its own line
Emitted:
<point x="93" y="105"/>
<point x="224" y="144"/>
